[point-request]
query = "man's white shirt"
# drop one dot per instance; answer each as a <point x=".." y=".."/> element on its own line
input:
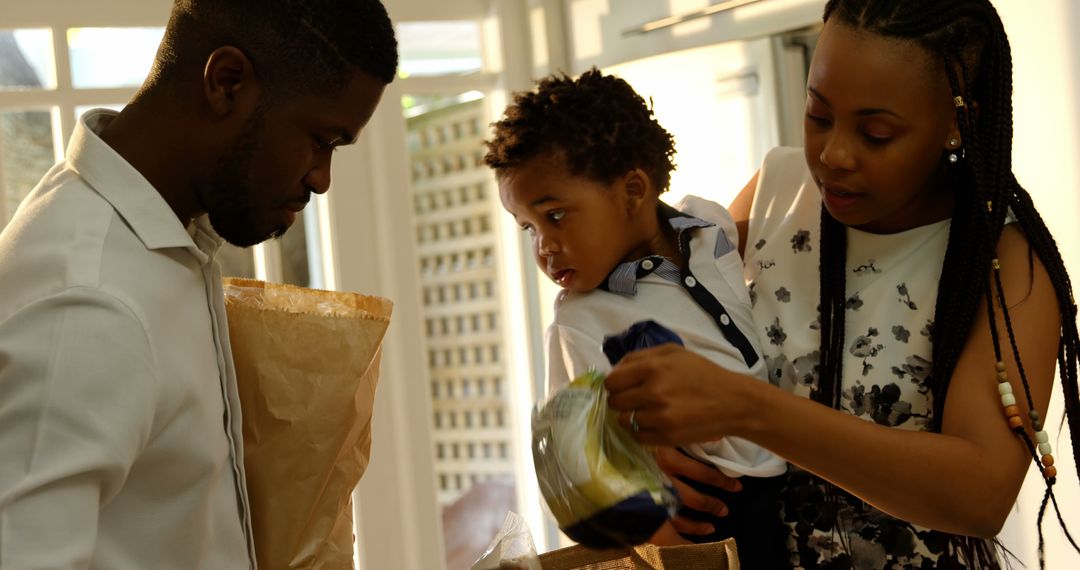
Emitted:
<point x="120" y="433"/>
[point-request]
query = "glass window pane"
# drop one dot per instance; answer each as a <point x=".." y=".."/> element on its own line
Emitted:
<point x="439" y="48"/>
<point x="111" y="57"/>
<point x="415" y="105"/>
<point x="236" y="261"/>
<point x="26" y="60"/>
<point x="26" y="153"/>
<point x="443" y="134"/>
<point x="294" y="251"/>
<point x="81" y="110"/>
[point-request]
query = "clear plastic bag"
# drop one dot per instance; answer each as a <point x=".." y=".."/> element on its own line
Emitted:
<point x="602" y="486"/>
<point x="511" y="549"/>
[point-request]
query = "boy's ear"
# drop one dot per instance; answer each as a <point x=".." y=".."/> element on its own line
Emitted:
<point x="638" y="187"/>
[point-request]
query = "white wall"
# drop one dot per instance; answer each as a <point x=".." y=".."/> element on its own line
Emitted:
<point x="14" y="13"/>
<point x="372" y="228"/>
<point x="430" y="10"/>
<point x="1046" y="149"/>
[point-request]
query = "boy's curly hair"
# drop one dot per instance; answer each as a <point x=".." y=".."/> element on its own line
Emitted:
<point x="601" y="127"/>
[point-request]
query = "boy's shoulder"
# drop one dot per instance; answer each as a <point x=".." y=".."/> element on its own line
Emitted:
<point x="575" y="300"/>
<point x="583" y="310"/>
<point x="704" y="209"/>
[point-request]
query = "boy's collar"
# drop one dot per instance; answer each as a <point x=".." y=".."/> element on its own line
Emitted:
<point x="623" y="279"/>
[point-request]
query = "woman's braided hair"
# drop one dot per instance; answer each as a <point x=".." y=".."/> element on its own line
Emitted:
<point x="970" y="39"/>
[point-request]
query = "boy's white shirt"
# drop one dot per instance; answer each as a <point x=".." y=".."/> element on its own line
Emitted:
<point x="574" y="341"/>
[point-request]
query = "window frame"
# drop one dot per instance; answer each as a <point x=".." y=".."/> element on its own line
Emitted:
<point x="371" y="205"/>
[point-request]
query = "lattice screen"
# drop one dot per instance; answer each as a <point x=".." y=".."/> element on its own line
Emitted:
<point x="455" y="204"/>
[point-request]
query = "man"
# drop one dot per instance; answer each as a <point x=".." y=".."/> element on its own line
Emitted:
<point x="119" y="419"/>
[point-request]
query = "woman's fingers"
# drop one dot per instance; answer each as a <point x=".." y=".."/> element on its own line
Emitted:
<point x="698" y="501"/>
<point x="638" y="366"/>
<point x="688" y="526"/>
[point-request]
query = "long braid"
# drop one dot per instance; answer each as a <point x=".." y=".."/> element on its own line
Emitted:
<point x="970" y="39"/>
<point x="833" y="302"/>
<point x="1042" y="242"/>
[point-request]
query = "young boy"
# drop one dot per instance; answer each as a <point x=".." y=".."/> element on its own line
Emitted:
<point x="581" y="165"/>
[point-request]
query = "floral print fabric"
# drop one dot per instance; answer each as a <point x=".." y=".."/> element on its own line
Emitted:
<point x="891" y="293"/>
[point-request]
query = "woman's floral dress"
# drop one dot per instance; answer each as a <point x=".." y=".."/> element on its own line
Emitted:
<point x="891" y="289"/>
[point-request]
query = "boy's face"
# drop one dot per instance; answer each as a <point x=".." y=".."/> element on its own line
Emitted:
<point x="581" y="229"/>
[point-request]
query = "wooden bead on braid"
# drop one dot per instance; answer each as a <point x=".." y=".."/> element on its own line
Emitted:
<point x="1049" y="471"/>
<point x="1042" y="440"/>
<point x="1016" y="422"/>
<point x="1012" y="411"/>
<point x="1005" y="390"/>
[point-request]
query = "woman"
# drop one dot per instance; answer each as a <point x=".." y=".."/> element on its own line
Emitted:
<point x="915" y="371"/>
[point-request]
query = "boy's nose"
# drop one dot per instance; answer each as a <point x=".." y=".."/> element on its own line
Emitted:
<point x="546" y="246"/>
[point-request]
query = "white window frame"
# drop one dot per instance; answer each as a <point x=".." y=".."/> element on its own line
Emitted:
<point x="60" y="15"/>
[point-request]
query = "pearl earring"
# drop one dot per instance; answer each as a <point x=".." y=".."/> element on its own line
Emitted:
<point x="953" y="144"/>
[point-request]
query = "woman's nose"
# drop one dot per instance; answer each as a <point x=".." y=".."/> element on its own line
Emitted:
<point x="837" y="154"/>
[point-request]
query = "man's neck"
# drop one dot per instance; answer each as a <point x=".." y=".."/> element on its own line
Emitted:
<point x="152" y="142"/>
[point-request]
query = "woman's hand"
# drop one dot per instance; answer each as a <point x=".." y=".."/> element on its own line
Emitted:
<point x="667" y="395"/>
<point x="676" y="464"/>
<point x="676" y="397"/>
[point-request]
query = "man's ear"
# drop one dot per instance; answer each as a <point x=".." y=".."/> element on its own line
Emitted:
<point x="637" y="187"/>
<point x="229" y="83"/>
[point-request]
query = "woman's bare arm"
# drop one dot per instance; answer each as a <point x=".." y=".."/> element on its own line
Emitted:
<point x="740" y="209"/>
<point x="963" y="480"/>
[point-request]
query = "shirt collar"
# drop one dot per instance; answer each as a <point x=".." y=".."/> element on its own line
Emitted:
<point x="130" y="194"/>
<point x="623" y="279"/>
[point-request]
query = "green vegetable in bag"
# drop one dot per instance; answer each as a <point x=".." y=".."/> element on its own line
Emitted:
<point x="602" y="486"/>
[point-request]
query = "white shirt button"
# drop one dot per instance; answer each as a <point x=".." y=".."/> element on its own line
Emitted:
<point x="724" y="320"/>
<point x="647" y="264"/>
<point x="690" y="281"/>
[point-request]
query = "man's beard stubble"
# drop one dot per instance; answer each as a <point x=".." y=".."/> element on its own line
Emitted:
<point x="232" y="212"/>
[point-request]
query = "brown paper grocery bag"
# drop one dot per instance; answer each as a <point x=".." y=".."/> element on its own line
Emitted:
<point x="307" y="364"/>
<point x="709" y="556"/>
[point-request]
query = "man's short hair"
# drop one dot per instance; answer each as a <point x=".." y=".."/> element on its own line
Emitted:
<point x="295" y="46"/>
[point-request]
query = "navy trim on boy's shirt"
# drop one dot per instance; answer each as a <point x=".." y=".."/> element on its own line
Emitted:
<point x="623" y="279"/>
